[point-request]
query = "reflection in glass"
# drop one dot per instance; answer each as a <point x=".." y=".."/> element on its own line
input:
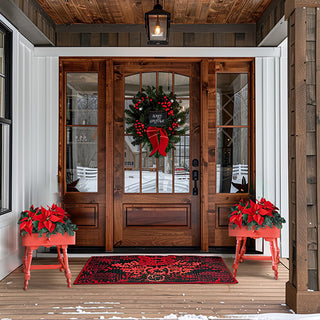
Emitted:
<point x="165" y="173"/>
<point x="182" y="165"/>
<point x="149" y="172"/>
<point x="149" y="79"/>
<point x="2" y="95"/>
<point x="232" y="99"/>
<point x="165" y="81"/>
<point x="131" y="85"/>
<point x="81" y="159"/>
<point x="185" y="106"/>
<point x="2" y="68"/>
<point x="127" y="103"/>
<point x="181" y="86"/>
<point x="131" y="166"/>
<point x="82" y="99"/>
<point x="4" y="166"/>
<point x="232" y="160"/>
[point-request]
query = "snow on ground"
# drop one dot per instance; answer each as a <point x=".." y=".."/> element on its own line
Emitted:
<point x="265" y="316"/>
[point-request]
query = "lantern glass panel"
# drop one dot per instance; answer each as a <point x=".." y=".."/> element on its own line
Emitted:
<point x="161" y="20"/>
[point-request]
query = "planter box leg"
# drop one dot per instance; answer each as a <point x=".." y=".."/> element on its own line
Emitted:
<point x="274" y="259"/>
<point x="243" y="248"/>
<point x="27" y="268"/>
<point x="237" y="259"/>
<point x="24" y="260"/>
<point x="66" y="265"/>
<point x="60" y="259"/>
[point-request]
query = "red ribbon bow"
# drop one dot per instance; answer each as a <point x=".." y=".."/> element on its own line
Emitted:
<point x="152" y="133"/>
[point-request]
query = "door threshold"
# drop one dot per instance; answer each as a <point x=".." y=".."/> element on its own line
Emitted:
<point x="74" y="250"/>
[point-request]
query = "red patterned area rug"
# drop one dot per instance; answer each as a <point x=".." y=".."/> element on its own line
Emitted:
<point x="155" y="269"/>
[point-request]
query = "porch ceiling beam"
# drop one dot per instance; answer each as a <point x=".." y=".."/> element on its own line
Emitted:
<point x="276" y="35"/>
<point x="291" y="5"/>
<point x="27" y="28"/>
<point x="124" y="28"/>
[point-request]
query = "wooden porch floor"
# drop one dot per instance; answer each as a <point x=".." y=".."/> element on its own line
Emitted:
<point x="48" y="296"/>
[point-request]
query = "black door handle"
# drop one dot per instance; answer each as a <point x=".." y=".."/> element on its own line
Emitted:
<point x="195" y="178"/>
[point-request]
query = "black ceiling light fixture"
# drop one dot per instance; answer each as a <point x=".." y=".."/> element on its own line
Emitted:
<point x="157" y="25"/>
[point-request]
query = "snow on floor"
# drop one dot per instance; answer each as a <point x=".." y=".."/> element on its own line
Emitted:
<point x="265" y="316"/>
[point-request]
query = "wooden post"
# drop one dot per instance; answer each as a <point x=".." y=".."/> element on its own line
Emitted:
<point x="302" y="289"/>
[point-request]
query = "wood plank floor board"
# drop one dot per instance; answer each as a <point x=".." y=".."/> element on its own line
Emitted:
<point x="48" y="296"/>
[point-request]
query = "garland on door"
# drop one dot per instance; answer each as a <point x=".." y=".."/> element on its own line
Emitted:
<point x="156" y="119"/>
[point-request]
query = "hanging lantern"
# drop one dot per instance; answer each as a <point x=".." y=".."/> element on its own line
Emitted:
<point x="157" y="25"/>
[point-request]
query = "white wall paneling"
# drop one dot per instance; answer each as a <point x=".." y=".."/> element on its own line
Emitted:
<point x="46" y="104"/>
<point x="272" y="138"/>
<point x="34" y="142"/>
<point x="10" y="249"/>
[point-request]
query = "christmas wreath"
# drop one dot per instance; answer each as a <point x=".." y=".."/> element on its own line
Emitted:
<point x="156" y="119"/>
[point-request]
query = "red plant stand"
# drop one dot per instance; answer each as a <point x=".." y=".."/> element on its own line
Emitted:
<point x="33" y="242"/>
<point x="269" y="234"/>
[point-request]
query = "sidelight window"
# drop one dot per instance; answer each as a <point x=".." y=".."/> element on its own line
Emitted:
<point x="5" y="120"/>
<point x="81" y="132"/>
<point x="232" y="174"/>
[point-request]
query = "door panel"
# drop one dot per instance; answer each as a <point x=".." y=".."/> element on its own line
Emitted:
<point x="153" y="201"/>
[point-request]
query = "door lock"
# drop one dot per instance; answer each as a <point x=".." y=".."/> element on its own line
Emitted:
<point x="195" y="178"/>
<point x="195" y="162"/>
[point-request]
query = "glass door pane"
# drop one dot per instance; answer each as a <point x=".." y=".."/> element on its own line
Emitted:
<point x="232" y="133"/>
<point x="166" y="174"/>
<point x="82" y="132"/>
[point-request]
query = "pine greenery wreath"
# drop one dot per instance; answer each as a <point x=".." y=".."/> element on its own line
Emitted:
<point x="138" y="118"/>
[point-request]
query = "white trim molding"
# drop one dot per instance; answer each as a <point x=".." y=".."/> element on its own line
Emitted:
<point x="178" y="52"/>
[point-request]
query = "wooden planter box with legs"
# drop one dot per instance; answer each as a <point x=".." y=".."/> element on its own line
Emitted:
<point x="33" y="242"/>
<point x="269" y="234"/>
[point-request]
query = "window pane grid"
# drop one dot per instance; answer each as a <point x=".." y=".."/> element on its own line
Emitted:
<point x="157" y="175"/>
<point x="81" y="129"/>
<point x="232" y="172"/>
<point x="5" y="120"/>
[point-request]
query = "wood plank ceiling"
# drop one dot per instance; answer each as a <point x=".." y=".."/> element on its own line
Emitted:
<point x="132" y="11"/>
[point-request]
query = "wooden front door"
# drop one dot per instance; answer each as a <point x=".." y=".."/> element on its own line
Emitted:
<point x="155" y="200"/>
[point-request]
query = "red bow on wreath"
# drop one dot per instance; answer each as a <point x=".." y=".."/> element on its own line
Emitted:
<point x="152" y="133"/>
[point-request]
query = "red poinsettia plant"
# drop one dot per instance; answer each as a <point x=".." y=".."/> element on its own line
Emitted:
<point x="49" y="221"/>
<point x="257" y="214"/>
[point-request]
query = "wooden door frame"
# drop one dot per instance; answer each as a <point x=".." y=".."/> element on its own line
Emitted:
<point x="146" y="65"/>
<point x="208" y="127"/>
<point x="207" y="153"/>
<point x="72" y="200"/>
<point x="109" y="151"/>
<point x="207" y="95"/>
